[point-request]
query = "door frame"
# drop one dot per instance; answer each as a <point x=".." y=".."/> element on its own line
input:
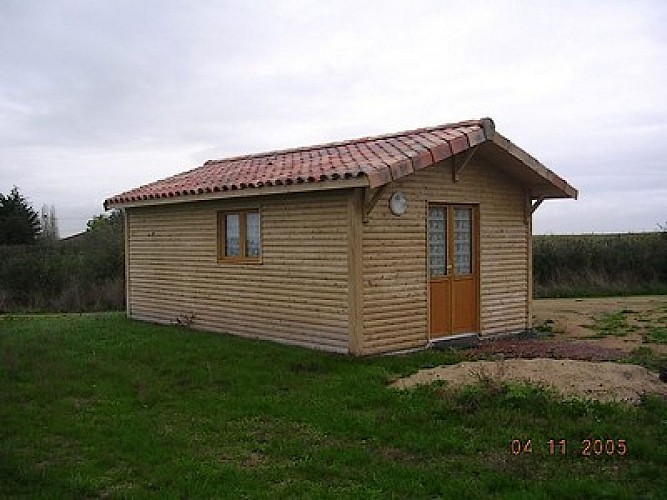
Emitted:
<point x="476" y="236"/>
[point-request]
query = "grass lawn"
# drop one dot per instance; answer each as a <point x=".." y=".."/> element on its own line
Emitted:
<point x="102" y="406"/>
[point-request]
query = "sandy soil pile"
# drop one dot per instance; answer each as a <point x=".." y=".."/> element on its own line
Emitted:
<point x="602" y="381"/>
<point x="582" y="367"/>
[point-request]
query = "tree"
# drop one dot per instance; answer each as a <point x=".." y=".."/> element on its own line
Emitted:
<point x="50" y="231"/>
<point x="112" y="223"/>
<point x="19" y="223"/>
<point x="104" y="246"/>
<point x="662" y="252"/>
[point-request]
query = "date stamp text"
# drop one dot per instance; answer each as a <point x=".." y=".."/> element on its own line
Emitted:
<point x="589" y="447"/>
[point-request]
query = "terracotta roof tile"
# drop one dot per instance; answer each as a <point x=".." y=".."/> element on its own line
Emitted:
<point x="380" y="159"/>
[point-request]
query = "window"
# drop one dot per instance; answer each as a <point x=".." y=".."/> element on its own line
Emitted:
<point x="239" y="236"/>
<point x="450" y="240"/>
<point x="462" y="240"/>
<point x="437" y="240"/>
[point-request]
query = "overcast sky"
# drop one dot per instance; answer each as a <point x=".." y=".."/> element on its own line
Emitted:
<point x="97" y="97"/>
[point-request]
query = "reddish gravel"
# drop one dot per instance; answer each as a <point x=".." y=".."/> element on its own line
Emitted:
<point x="536" y="348"/>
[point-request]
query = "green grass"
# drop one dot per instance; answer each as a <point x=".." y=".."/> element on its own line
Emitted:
<point x="615" y="324"/>
<point x="657" y="334"/>
<point x="546" y="328"/>
<point x="645" y="356"/>
<point x="99" y="405"/>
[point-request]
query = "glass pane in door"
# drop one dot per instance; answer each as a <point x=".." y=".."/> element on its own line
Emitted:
<point x="437" y="241"/>
<point x="463" y="240"/>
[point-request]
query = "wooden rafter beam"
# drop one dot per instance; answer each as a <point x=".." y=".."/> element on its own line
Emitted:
<point x="530" y="206"/>
<point x="535" y="205"/>
<point x="459" y="164"/>
<point x="369" y="203"/>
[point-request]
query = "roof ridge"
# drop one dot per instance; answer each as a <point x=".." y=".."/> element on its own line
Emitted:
<point x="486" y="123"/>
<point x="380" y="159"/>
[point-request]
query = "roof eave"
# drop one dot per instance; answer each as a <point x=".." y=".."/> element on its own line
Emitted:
<point x="361" y="181"/>
<point x="556" y="186"/>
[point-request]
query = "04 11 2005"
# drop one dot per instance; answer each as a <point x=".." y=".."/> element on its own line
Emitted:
<point x="590" y="447"/>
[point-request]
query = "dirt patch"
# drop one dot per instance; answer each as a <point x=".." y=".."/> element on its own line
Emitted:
<point x="602" y="381"/>
<point x="578" y="340"/>
<point x="618" y="323"/>
<point x="545" y="348"/>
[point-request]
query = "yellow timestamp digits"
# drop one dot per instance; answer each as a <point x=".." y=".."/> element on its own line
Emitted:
<point x="589" y="447"/>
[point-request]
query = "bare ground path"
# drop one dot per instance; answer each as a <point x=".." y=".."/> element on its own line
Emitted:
<point x="582" y="339"/>
<point x="629" y="320"/>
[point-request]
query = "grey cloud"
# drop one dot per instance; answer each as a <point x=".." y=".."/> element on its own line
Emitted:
<point x="117" y="93"/>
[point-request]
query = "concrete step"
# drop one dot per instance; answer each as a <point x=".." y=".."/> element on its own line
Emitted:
<point x="461" y="341"/>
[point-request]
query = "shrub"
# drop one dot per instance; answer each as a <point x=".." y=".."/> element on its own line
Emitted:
<point x="611" y="264"/>
<point x="85" y="273"/>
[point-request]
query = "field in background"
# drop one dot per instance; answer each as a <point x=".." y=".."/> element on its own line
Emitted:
<point x="87" y="272"/>
<point x="99" y="406"/>
<point x="600" y="265"/>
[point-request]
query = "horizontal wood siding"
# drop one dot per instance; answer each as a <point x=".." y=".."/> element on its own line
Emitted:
<point x="395" y="279"/>
<point x="297" y="294"/>
<point x="394" y="274"/>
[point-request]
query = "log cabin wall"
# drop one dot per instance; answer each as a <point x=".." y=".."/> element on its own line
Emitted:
<point x="297" y="294"/>
<point x="325" y="279"/>
<point x="395" y="275"/>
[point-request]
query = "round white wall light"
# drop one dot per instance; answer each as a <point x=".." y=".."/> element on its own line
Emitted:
<point x="398" y="203"/>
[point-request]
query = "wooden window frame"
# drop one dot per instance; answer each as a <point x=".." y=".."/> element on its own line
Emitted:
<point x="243" y="226"/>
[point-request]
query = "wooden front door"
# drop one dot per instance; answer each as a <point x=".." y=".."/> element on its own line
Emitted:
<point x="453" y="269"/>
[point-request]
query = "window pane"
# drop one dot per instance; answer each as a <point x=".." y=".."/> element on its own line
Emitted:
<point x="437" y="241"/>
<point x="253" y="243"/>
<point x="232" y="242"/>
<point x="463" y="240"/>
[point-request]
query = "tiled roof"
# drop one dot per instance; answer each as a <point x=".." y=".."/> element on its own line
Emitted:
<point x="380" y="159"/>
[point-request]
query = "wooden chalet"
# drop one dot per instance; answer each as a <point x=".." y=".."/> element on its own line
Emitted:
<point x="373" y="245"/>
